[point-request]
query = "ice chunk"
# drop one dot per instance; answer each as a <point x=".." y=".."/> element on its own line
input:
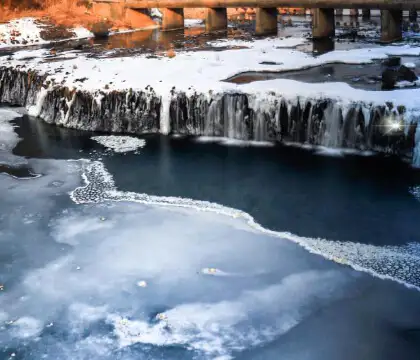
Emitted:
<point x="120" y="144"/>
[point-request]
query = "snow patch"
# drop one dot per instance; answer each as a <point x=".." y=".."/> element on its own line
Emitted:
<point x="82" y="33"/>
<point x="155" y="13"/>
<point x="410" y="65"/>
<point x="24" y="31"/>
<point x="193" y="23"/>
<point x="27" y="31"/>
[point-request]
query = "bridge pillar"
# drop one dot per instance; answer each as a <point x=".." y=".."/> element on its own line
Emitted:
<point x="266" y="21"/>
<point x="391" y="21"/>
<point x="366" y="13"/>
<point x="113" y="10"/>
<point x="216" y="19"/>
<point x="173" y="19"/>
<point x="354" y="12"/>
<point x="412" y="15"/>
<point x="323" y="25"/>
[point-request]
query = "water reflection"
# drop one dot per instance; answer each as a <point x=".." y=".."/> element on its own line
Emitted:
<point x="322" y="46"/>
<point x="155" y="40"/>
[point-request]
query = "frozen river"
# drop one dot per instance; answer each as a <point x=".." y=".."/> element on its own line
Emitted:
<point x="93" y="268"/>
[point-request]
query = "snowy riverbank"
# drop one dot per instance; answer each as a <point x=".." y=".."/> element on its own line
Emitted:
<point x="31" y="31"/>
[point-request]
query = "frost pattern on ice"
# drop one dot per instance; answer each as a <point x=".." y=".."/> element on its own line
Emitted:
<point x="398" y="263"/>
<point x="120" y="144"/>
<point x="212" y="328"/>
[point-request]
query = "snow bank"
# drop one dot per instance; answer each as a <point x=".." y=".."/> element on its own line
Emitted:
<point x="27" y="31"/>
<point x="207" y="69"/>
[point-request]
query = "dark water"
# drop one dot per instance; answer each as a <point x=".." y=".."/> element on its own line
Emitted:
<point x="18" y="172"/>
<point x="351" y="198"/>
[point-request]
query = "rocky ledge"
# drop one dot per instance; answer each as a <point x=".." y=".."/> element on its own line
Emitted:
<point x="233" y="114"/>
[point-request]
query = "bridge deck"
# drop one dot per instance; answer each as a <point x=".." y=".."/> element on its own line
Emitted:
<point x="308" y="4"/>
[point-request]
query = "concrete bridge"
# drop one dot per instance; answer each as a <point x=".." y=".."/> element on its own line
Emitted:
<point x="323" y="22"/>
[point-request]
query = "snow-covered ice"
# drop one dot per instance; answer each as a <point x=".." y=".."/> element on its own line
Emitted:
<point x="120" y="144"/>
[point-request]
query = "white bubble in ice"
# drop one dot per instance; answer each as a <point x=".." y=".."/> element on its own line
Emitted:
<point x="142" y="283"/>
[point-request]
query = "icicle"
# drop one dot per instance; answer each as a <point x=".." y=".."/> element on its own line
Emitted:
<point x="331" y="136"/>
<point x="289" y="110"/>
<point x="409" y="118"/>
<point x="309" y="126"/>
<point x="165" y="125"/>
<point x="210" y="118"/>
<point x="98" y="99"/>
<point x="259" y="127"/>
<point x="35" y="110"/>
<point x="416" y="152"/>
<point x="69" y="104"/>
<point x="278" y="121"/>
<point x="366" y="115"/>
<point x="345" y="110"/>
<point x="229" y="117"/>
